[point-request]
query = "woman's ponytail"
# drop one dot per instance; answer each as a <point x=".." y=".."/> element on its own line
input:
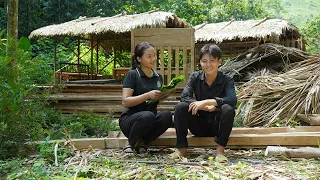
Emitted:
<point x="134" y="62"/>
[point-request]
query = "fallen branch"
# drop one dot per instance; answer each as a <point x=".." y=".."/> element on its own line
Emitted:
<point x="312" y="119"/>
<point x="303" y="152"/>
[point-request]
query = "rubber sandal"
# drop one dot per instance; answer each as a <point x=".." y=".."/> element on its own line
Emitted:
<point x="128" y="149"/>
<point x="176" y="155"/>
<point x="220" y="158"/>
<point x="142" y="149"/>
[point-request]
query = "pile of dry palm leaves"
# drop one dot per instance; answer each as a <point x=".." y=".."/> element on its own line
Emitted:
<point x="278" y="99"/>
<point x="265" y="59"/>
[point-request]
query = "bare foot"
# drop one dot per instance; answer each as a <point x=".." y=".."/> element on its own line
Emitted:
<point x="220" y="150"/>
<point x="183" y="151"/>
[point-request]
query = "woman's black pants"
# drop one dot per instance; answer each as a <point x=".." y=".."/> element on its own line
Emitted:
<point x="215" y="124"/>
<point x="145" y="126"/>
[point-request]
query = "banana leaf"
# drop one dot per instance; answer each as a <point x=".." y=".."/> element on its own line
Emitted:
<point x="167" y="89"/>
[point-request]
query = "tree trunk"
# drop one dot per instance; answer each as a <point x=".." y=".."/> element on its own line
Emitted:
<point x="12" y="34"/>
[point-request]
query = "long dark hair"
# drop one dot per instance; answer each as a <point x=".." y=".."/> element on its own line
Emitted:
<point x="211" y="49"/>
<point x="138" y="52"/>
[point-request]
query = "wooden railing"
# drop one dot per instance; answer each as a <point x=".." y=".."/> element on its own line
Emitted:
<point x="73" y="71"/>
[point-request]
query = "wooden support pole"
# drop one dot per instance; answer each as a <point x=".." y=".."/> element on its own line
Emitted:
<point x="55" y="60"/>
<point x="91" y="59"/>
<point x="169" y="65"/>
<point x="97" y="57"/>
<point x="78" y="57"/>
<point x="177" y="67"/>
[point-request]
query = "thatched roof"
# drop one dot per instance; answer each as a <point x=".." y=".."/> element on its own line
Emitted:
<point x="267" y="29"/>
<point x="116" y="24"/>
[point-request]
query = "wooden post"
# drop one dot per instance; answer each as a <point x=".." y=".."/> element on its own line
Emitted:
<point x="114" y="58"/>
<point x="162" y="62"/>
<point x="55" y="60"/>
<point x="132" y="42"/>
<point x="169" y="64"/>
<point x="91" y="62"/>
<point x="97" y="57"/>
<point x="177" y="61"/>
<point x="185" y="54"/>
<point x="78" y="66"/>
<point x="192" y="53"/>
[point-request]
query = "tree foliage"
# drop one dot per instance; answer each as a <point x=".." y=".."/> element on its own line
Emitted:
<point x="34" y="14"/>
<point x="311" y="33"/>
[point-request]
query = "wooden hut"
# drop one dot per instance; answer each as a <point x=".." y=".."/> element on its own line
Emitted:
<point x="109" y="33"/>
<point x="236" y="37"/>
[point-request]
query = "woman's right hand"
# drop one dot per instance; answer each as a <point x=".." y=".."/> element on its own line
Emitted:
<point x="154" y="94"/>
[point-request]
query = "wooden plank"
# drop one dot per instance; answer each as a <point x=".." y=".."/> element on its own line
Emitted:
<point x="258" y="130"/>
<point x="255" y="130"/>
<point x="82" y="97"/>
<point x="192" y="52"/>
<point x="162" y="60"/>
<point x="236" y="140"/>
<point x="169" y="64"/>
<point x="85" y="143"/>
<point x="177" y="73"/>
<point x="163" y="36"/>
<point x="133" y="43"/>
<point x="185" y="55"/>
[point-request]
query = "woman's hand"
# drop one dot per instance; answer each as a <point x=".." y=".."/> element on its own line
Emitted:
<point x="210" y="108"/>
<point x="154" y="94"/>
<point x="195" y="106"/>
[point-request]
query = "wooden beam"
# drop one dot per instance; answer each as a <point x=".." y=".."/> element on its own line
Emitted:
<point x="299" y="137"/>
<point x="255" y="130"/>
<point x="55" y="61"/>
<point x="85" y="143"/>
<point x="236" y="140"/>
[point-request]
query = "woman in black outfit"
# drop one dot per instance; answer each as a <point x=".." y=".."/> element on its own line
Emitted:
<point x="140" y="121"/>
<point x="211" y="113"/>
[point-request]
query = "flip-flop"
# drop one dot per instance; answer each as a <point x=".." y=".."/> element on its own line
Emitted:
<point x="142" y="149"/>
<point x="177" y="155"/>
<point x="128" y="149"/>
<point x="220" y="158"/>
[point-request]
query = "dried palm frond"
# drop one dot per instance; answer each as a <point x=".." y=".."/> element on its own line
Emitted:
<point x="279" y="98"/>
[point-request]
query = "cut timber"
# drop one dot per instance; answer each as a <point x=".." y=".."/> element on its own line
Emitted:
<point x="303" y="152"/>
<point x="85" y="143"/>
<point x="235" y="140"/>
<point x="240" y="138"/>
<point x="312" y="119"/>
<point x="256" y="130"/>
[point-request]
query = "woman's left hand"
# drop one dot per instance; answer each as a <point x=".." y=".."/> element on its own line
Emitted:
<point x="210" y="108"/>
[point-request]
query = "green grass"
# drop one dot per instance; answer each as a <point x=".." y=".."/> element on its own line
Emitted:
<point x="299" y="11"/>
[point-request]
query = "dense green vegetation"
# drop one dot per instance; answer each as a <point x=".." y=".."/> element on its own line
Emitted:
<point x="25" y="114"/>
<point x="299" y="11"/>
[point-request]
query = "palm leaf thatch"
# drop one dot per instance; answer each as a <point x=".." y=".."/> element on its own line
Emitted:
<point x="265" y="59"/>
<point x="266" y="29"/>
<point x="106" y="25"/>
<point x="267" y="100"/>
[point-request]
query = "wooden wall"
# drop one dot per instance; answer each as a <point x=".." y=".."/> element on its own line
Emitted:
<point x="175" y="49"/>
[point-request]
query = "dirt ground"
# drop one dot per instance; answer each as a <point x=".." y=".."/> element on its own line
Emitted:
<point x="200" y="164"/>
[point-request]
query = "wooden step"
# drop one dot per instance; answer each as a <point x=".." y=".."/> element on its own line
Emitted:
<point x="239" y="138"/>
